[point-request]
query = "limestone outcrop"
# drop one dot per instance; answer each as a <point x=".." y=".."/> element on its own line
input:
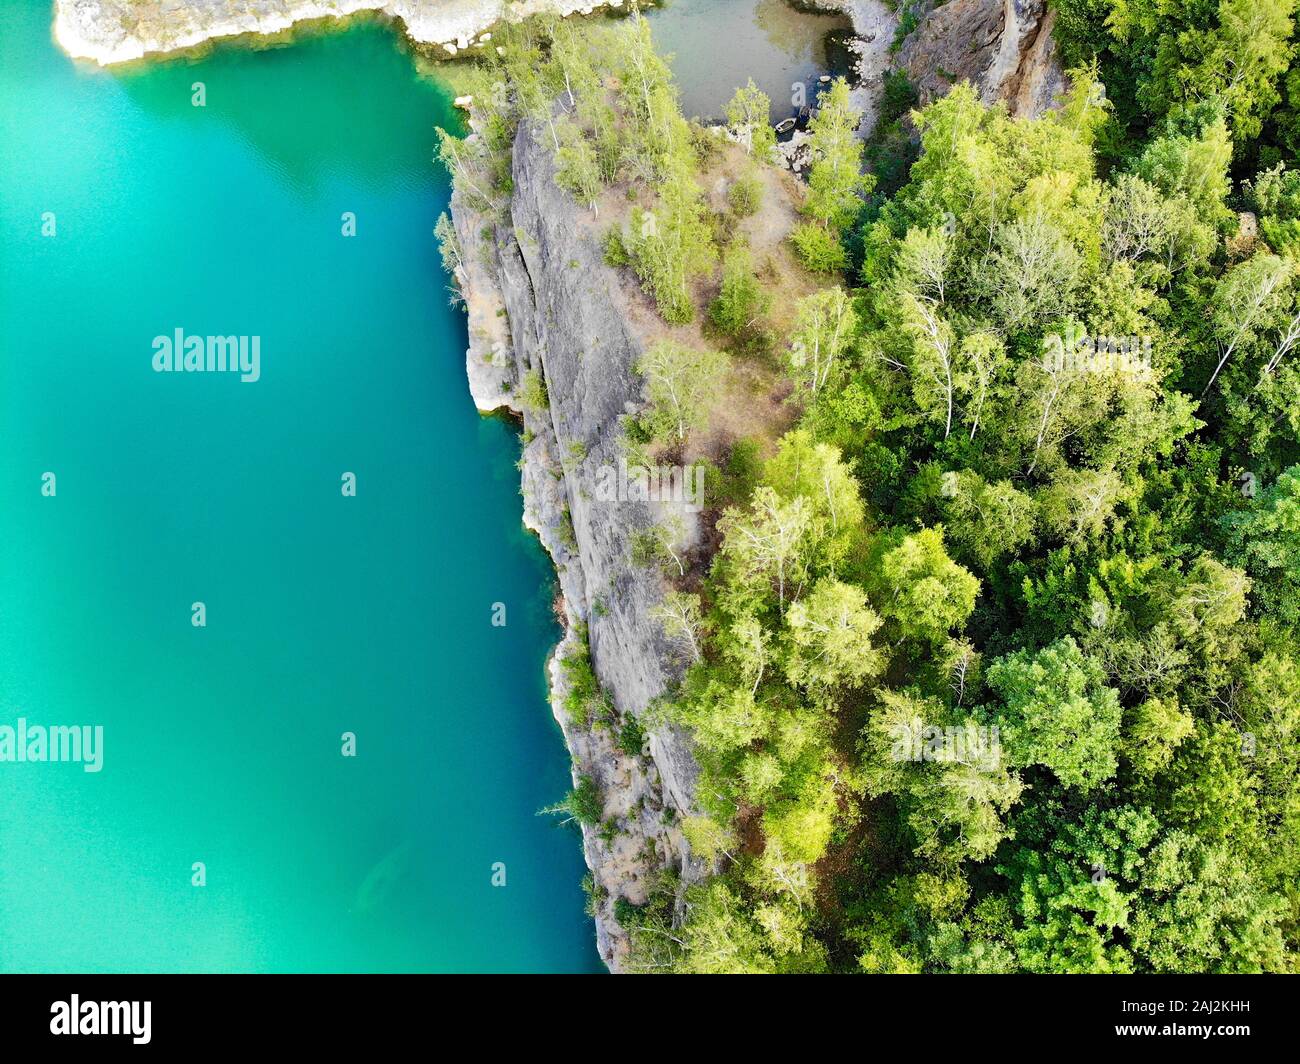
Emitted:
<point x="542" y="300"/>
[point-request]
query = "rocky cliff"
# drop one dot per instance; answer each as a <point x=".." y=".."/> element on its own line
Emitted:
<point x="1005" y="47"/>
<point x="541" y="299"/>
<point x="115" y="31"/>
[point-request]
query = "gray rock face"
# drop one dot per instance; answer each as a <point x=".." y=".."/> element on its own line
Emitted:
<point x="1004" y="47"/>
<point x="566" y="315"/>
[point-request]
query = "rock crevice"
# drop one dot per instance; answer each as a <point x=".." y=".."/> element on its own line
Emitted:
<point x="1004" y="47"/>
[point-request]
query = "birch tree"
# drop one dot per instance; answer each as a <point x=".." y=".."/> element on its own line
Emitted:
<point x="830" y="632"/>
<point x="1243" y="300"/>
<point x="766" y="544"/>
<point x="932" y="360"/>
<point x="749" y="121"/>
<point x="824" y="328"/>
<point x="679" y="615"/>
<point x="680" y="383"/>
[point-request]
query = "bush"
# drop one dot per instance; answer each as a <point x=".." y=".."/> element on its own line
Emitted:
<point x="898" y="96"/>
<point x="741" y="300"/>
<point x="585" y="703"/>
<point x="532" y="392"/>
<point x="631" y="738"/>
<point x="907" y="22"/>
<point x="819" y="249"/>
<point x="704" y="143"/>
<point x="734" y="483"/>
<point x="615" y="250"/>
<point x="745" y="195"/>
<point x="627" y="914"/>
<point x="584" y="803"/>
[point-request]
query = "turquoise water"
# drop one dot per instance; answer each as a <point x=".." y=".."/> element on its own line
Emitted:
<point x="325" y="614"/>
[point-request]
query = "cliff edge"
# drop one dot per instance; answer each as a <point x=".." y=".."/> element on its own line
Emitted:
<point x="541" y="300"/>
<point x="1005" y="47"/>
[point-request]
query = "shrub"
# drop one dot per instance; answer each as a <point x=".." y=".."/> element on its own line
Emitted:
<point x="532" y="392"/>
<point x="819" y="249"/>
<point x="615" y="249"/>
<point x="631" y="738"/>
<point x="745" y="195"/>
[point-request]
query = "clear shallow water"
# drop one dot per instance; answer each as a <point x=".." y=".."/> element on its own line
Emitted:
<point x="325" y="614"/>
<point x="717" y="45"/>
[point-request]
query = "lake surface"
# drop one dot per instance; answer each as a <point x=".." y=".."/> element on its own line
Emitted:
<point x="126" y="213"/>
<point x="718" y="45"/>
<point x="325" y="614"/>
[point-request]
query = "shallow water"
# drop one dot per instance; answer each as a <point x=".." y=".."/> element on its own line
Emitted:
<point x="717" y="45"/>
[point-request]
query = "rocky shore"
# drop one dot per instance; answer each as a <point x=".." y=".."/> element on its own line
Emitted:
<point x="117" y="31"/>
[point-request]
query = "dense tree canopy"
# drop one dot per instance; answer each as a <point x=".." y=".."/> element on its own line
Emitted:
<point x="995" y="664"/>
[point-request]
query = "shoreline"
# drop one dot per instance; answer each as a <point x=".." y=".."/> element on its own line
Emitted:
<point x="98" y="31"/>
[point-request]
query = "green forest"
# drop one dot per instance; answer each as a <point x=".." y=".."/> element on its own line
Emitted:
<point x="993" y="667"/>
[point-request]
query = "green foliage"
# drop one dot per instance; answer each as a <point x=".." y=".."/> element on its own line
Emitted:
<point x="579" y="168"/>
<point x="584" y="702"/>
<point x="1265" y="539"/>
<point x="582" y="804"/>
<point x="908" y="20"/>
<point x="532" y="392"/>
<point x="749" y="123"/>
<point x="745" y="195"/>
<point x="448" y="244"/>
<point x="1056" y="711"/>
<point x="822" y="339"/>
<point x="922" y="590"/>
<point x="680" y="383"/>
<point x="741" y="300"/>
<point x="734" y="483"/>
<point x="830" y="632"/>
<point x="631" y="737"/>
<point x="819" y="249"/>
<point x="627" y="914"/>
<point x="616" y="253"/>
<point x="836" y="183"/>
<point x="1275" y="196"/>
<point x="890" y="151"/>
<point x="1160" y="60"/>
<point x="993" y="666"/>
<point x="672" y="244"/>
